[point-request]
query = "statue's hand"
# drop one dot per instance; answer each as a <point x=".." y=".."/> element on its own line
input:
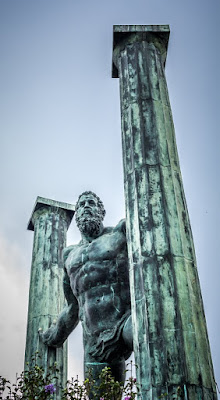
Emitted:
<point x="48" y="337"/>
<point x="59" y="331"/>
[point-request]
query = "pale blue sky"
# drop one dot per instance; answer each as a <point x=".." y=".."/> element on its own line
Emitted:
<point x="60" y="132"/>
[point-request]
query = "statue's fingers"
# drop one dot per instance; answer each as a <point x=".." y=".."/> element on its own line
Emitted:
<point x="41" y="334"/>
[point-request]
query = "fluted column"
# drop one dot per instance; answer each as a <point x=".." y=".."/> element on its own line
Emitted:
<point x="170" y="336"/>
<point x="50" y="220"/>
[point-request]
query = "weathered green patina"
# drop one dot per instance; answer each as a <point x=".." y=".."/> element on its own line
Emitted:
<point x="170" y="337"/>
<point x="50" y="220"/>
<point x="96" y="286"/>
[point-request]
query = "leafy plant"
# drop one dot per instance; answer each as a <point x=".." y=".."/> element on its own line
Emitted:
<point x="107" y="388"/>
<point x="34" y="384"/>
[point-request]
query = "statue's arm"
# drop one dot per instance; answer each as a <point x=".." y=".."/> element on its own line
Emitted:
<point x="68" y="319"/>
<point x="121" y="226"/>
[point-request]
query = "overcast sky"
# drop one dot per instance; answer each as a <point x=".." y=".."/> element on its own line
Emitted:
<point x="60" y="134"/>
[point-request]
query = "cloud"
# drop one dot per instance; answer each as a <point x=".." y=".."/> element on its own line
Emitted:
<point x="14" y="291"/>
<point x="75" y="354"/>
<point x="13" y="313"/>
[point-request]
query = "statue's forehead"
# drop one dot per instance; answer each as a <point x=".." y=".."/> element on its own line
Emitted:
<point x="87" y="197"/>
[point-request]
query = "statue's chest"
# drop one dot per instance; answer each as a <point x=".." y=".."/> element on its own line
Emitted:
<point x="94" y="261"/>
<point x="105" y="247"/>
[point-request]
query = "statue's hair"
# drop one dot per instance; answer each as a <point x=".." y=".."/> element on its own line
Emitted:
<point x="100" y="203"/>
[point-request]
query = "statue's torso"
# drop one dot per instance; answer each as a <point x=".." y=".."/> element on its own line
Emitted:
<point x="98" y="274"/>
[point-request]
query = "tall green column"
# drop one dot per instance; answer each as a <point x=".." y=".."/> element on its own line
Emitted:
<point x="170" y="336"/>
<point x="50" y="220"/>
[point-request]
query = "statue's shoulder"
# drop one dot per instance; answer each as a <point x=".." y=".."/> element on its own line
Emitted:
<point x="121" y="226"/>
<point x="67" y="250"/>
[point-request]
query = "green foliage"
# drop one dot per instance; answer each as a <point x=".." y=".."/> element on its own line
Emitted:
<point x="107" y="388"/>
<point x="31" y="384"/>
<point x="34" y="384"/>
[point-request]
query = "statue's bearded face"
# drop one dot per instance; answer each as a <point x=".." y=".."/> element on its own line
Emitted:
<point x="88" y="215"/>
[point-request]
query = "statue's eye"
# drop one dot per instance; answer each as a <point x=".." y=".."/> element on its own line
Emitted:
<point x="91" y="202"/>
<point x="82" y="204"/>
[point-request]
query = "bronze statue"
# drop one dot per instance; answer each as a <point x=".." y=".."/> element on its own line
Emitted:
<point x="96" y="287"/>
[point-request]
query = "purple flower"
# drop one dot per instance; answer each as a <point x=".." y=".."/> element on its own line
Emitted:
<point x="127" y="398"/>
<point x="50" y="388"/>
<point x="101" y="398"/>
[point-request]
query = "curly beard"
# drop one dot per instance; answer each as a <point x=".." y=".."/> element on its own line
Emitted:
<point x="89" y="225"/>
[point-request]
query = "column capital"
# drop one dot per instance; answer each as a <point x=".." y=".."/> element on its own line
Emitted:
<point x="128" y="34"/>
<point x="42" y="202"/>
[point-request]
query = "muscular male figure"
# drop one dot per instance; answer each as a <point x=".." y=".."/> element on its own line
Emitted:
<point x="96" y="287"/>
